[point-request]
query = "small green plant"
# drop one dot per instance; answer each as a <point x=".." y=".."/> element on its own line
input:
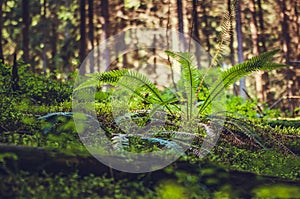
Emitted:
<point x="193" y="82"/>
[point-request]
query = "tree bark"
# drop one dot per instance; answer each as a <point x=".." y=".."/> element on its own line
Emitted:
<point x="104" y="18"/>
<point x="232" y="53"/>
<point x="205" y="20"/>
<point x="105" y="21"/>
<point x="240" y="46"/>
<point x="91" y="22"/>
<point x="263" y="48"/>
<point x="14" y="75"/>
<point x="286" y="45"/>
<point x="255" y="50"/>
<point x="1" y="25"/>
<point x="54" y="38"/>
<point x="44" y="38"/>
<point x="286" y="40"/>
<point x="82" y="48"/>
<point x="195" y="28"/>
<point x="25" y="31"/>
<point x="262" y="26"/>
<point x="180" y="24"/>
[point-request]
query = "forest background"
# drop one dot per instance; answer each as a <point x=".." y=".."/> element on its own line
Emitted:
<point x="53" y="37"/>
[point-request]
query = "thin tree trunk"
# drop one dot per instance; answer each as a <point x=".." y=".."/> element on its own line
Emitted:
<point x="180" y="16"/>
<point x="296" y="20"/>
<point x="240" y="47"/>
<point x="91" y="22"/>
<point x="44" y="38"/>
<point x="54" y="38"/>
<point x="255" y="51"/>
<point x="262" y="26"/>
<point x="205" y="20"/>
<point x="262" y="40"/>
<point x="180" y="24"/>
<point x="1" y="49"/>
<point x="65" y="54"/>
<point x="286" y="49"/>
<point x="105" y="21"/>
<point x="91" y="32"/>
<point x="196" y="31"/>
<point x="82" y="48"/>
<point x="14" y="75"/>
<point x="285" y="31"/>
<point x="105" y="30"/>
<point x="25" y="31"/>
<point x="232" y="53"/>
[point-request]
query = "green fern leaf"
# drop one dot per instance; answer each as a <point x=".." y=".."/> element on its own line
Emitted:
<point x="190" y="76"/>
<point x="228" y="77"/>
<point x="98" y="79"/>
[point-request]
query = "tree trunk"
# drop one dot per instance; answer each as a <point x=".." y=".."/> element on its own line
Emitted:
<point x="262" y="26"/>
<point x="105" y="21"/>
<point x="286" y="45"/>
<point x="240" y="47"/>
<point x="195" y="28"/>
<point x="14" y="75"/>
<point x="54" y="39"/>
<point x="232" y="53"/>
<point x="180" y="16"/>
<point x="286" y="40"/>
<point x="44" y="38"/>
<point x="180" y="24"/>
<point x="82" y="48"/>
<point x="91" y="32"/>
<point x="25" y="31"/>
<point x="91" y="22"/>
<point x="255" y="50"/>
<point x="1" y="23"/>
<point x="205" y="20"/>
<point x="105" y="31"/>
<point x="262" y="40"/>
<point x="298" y="30"/>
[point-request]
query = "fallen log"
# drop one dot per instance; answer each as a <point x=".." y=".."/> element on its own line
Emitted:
<point x="35" y="159"/>
<point x="39" y="159"/>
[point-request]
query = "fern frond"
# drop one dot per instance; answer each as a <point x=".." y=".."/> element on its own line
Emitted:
<point x="245" y="130"/>
<point x="167" y="143"/>
<point x="190" y="77"/>
<point x="228" y="77"/>
<point x="98" y="79"/>
<point x="136" y="77"/>
<point x="120" y="141"/>
<point x="53" y="118"/>
<point x="224" y="38"/>
<point x="110" y="76"/>
<point x="260" y="62"/>
<point x="115" y="78"/>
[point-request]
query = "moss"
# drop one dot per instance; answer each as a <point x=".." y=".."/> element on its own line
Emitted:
<point x="277" y="191"/>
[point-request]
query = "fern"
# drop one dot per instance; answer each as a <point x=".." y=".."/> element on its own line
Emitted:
<point x="189" y="73"/>
<point x="228" y="77"/>
<point x="224" y="38"/>
<point x="53" y="118"/>
<point x="98" y="79"/>
<point x="121" y="141"/>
